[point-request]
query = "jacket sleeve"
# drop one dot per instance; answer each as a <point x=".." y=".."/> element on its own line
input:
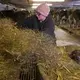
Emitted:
<point x="27" y="23"/>
<point x="50" y="27"/>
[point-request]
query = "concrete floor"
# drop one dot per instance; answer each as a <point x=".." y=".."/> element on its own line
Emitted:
<point x="64" y="38"/>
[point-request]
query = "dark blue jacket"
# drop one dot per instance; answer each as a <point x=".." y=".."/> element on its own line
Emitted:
<point x="47" y="26"/>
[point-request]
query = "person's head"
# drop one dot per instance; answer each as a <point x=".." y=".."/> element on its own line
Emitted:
<point x="42" y="11"/>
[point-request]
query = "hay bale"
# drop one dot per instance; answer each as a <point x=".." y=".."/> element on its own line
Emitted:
<point x="53" y="62"/>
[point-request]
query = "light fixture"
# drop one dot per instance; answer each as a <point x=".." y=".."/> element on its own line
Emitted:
<point x="48" y="0"/>
<point x="37" y="4"/>
<point x="34" y="7"/>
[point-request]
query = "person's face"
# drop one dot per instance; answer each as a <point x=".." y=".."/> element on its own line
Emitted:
<point x="40" y="16"/>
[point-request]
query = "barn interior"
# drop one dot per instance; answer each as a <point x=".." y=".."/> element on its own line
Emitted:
<point x="27" y="55"/>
